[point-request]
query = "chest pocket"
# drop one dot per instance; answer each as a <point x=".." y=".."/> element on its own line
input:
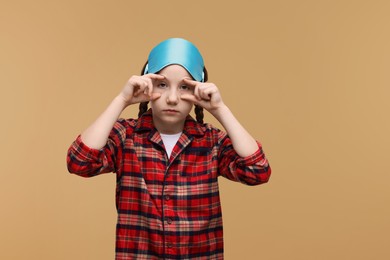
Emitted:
<point x="197" y="162"/>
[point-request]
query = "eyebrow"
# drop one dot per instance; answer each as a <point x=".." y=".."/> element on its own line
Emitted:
<point x="166" y="78"/>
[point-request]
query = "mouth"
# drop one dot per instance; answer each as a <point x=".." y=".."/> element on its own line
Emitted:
<point x="170" y="111"/>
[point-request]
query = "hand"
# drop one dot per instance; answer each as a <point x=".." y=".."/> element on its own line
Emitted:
<point x="205" y="95"/>
<point x="140" y="89"/>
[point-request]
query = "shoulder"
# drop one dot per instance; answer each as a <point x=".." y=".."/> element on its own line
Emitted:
<point x="126" y="122"/>
<point x="123" y="127"/>
<point x="131" y="125"/>
<point x="213" y="129"/>
<point x="210" y="132"/>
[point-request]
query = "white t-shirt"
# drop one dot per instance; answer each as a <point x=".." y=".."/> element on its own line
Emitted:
<point x="170" y="141"/>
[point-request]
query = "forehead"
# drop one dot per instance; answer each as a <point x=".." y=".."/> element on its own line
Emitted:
<point x="175" y="71"/>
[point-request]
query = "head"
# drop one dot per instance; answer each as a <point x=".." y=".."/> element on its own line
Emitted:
<point x="176" y="51"/>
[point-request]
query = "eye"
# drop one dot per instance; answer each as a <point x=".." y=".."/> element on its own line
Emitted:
<point x="162" y="85"/>
<point x="185" y="88"/>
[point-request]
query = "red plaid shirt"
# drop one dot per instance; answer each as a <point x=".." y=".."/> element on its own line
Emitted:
<point x="168" y="208"/>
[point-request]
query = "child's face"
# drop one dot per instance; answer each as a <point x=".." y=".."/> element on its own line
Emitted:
<point x="169" y="110"/>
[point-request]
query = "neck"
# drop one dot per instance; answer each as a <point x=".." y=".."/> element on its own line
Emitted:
<point x="169" y="129"/>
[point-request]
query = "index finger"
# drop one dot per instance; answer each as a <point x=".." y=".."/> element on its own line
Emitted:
<point x="155" y="76"/>
<point x="191" y="82"/>
<point x="152" y="77"/>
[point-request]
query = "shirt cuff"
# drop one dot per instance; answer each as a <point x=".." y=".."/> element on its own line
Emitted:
<point x="256" y="158"/>
<point x="84" y="151"/>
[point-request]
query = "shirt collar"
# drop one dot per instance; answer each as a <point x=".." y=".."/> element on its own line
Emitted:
<point x="191" y="127"/>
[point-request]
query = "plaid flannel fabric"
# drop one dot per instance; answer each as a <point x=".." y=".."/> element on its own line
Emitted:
<point x="168" y="208"/>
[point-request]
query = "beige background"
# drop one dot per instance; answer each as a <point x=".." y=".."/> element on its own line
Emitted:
<point x="309" y="79"/>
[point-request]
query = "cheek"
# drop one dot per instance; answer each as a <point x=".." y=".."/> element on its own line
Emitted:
<point x="188" y="106"/>
<point x="155" y="103"/>
<point x="188" y="91"/>
<point x="158" y="90"/>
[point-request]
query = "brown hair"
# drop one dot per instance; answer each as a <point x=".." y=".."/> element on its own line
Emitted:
<point x="143" y="106"/>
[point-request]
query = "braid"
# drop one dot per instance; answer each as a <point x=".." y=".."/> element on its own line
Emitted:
<point x="143" y="107"/>
<point x="199" y="114"/>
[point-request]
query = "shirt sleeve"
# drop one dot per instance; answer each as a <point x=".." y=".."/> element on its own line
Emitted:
<point x="87" y="162"/>
<point x="251" y="170"/>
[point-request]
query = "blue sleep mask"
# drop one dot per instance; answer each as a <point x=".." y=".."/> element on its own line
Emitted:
<point x="176" y="51"/>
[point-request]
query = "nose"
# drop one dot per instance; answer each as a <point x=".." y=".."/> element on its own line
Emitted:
<point x="173" y="97"/>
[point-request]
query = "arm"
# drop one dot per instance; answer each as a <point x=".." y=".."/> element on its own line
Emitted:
<point x="244" y="144"/>
<point x="241" y="158"/>
<point x="208" y="96"/>
<point x="137" y="89"/>
<point x="251" y="170"/>
<point x="98" y="147"/>
<point x="96" y="135"/>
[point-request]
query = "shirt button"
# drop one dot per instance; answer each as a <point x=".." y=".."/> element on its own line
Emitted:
<point x="167" y="197"/>
<point x="169" y="220"/>
<point x="169" y="245"/>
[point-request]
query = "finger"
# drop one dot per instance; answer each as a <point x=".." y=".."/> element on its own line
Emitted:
<point x="151" y="78"/>
<point x="196" y="85"/>
<point x="209" y="92"/>
<point x="209" y="88"/>
<point x="145" y="98"/>
<point x="140" y="98"/>
<point x="189" y="97"/>
<point x="197" y="92"/>
<point x="204" y="95"/>
<point x="149" y="88"/>
<point x="138" y="91"/>
<point x="194" y="100"/>
<point x="191" y="82"/>
<point x="154" y="76"/>
<point x="143" y="85"/>
<point x="204" y="92"/>
<point x="155" y="96"/>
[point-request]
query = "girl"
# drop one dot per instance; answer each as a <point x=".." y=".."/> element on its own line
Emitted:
<point x="166" y="163"/>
